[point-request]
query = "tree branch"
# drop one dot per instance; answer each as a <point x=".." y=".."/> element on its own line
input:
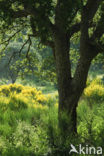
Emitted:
<point x="28" y="40"/>
<point x="19" y="14"/>
<point x="8" y="40"/>
<point x="75" y="28"/>
<point x="37" y="34"/>
<point x="30" y="43"/>
<point x="91" y="8"/>
<point x="99" y="29"/>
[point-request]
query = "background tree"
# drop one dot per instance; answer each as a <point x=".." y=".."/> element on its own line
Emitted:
<point x="14" y="65"/>
<point x="55" y="23"/>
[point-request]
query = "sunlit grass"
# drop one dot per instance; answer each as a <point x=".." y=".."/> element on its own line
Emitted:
<point x="29" y="121"/>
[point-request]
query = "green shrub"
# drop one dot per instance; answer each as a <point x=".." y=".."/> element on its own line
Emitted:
<point x="91" y="124"/>
<point x="30" y="138"/>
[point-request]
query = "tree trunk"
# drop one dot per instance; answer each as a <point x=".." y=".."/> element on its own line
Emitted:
<point x="13" y="80"/>
<point x="70" y="89"/>
<point x="67" y="113"/>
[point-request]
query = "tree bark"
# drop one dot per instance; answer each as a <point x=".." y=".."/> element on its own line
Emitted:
<point x="70" y="89"/>
<point x="67" y="98"/>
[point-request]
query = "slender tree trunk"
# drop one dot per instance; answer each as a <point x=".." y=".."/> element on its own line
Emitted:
<point x="13" y="81"/>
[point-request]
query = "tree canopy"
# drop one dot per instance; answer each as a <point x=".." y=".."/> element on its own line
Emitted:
<point x="41" y="17"/>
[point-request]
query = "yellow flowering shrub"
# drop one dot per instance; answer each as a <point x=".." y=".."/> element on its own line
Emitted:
<point x="17" y="101"/>
<point x="19" y="96"/>
<point x="95" y="91"/>
<point x="97" y="81"/>
<point x="6" y="90"/>
<point x="16" y="88"/>
<point x="41" y="99"/>
<point x="34" y="94"/>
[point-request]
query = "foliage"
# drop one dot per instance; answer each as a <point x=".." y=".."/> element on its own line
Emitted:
<point x="91" y="124"/>
<point x="27" y="135"/>
<point x="95" y="91"/>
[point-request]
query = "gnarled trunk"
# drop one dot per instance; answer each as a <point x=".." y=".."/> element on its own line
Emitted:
<point x="70" y="89"/>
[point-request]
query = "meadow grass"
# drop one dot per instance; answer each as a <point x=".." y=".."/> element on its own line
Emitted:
<point x="29" y="121"/>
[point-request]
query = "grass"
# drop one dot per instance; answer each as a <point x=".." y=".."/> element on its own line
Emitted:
<point x="34" y="131"/>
